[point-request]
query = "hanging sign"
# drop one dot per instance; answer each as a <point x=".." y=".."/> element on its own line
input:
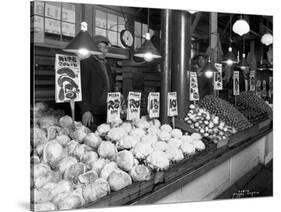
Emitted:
<point x="270" y="87"/>
<point x="252" y="81"/>
<point x="218" y="77"/>
<point x="236" y="89"/>
<point x="134" y="101"/>
<point x="172" y="104"/>
<point x="113" y="106"/>
<point x="153" y="104"/>
<point x="258" y="88"/>
<point x="68" y="79"/>
<point x="263" y="94"/>
<point x="246" y="84"/>
<point x="193" y="88"/>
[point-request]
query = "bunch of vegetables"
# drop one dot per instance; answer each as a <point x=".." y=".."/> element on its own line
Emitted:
<point x="208" y="125"/>
<point x="225" y="111"/>
<point x="72" y="166"/>
<point x="253" y="106"/>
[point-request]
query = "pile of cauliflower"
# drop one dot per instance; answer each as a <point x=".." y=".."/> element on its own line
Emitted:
<point x="72" y="166"/>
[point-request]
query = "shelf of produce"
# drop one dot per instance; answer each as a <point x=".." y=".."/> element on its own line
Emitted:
<point x="165" y="182"/>
<point x="248" y="133"/>
<point x="129" y="194"/>
<point x="219" y="156"/>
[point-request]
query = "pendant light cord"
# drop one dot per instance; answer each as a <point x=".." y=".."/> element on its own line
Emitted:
<point x="148" y="14"/>
<point x="83" y="12"/>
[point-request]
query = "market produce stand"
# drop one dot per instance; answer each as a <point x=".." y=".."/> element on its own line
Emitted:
<point x="170" y="185"/>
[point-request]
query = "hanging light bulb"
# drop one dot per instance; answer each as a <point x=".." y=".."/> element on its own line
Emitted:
<point x="243" y="63"/>
<point x="229" y="58"/>
<point x="192" y="11"/>
<point x="241" y="27"/>
<point x="83" y="45"/>
<point x="147" y="51"/>
<point x="209" y="69"/>
<point x="267" y="39"/>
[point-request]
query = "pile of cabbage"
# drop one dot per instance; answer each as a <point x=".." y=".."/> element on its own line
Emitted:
<point x="72" y="166"/>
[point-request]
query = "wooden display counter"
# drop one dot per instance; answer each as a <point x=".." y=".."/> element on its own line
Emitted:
<point x="203" y="176"/>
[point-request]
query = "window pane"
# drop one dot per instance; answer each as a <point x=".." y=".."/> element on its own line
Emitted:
<point x="111" y="22"/>
<point x="100" y="31"/>
<point x="144" y="29"/>
<point x="53" y="10"/>
<point x="112" y="37"/>
<point x="121" y="23"/>
<point x="37" y="24"/>
<point x="68" y="29"/>
<point x="39" y="8"/>
<point x="137" y="42"/>
<point x="100" y="19"/>
<point x="68" y="12"/>
<point x="52" y="26"/>
<point x="138" y="29"/>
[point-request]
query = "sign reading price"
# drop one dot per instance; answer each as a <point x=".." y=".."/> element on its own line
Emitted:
<point x="153" y="105"/>
<point x="252" y="81"/>
<point x="134" y="100"/>
<point x="172" y="104"/>
<point x="67" y="78"/>
<point x="218" y="77"/>
<point x="264" y="88"/>
<point x="113" y="106"/>
<point x="193" y="87"/>
<point x="258" y="92"/>
<point x="270" y="87"/>
<point x="236" y="89"/>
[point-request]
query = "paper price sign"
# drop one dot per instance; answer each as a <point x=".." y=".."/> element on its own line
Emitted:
<point x="113" y="106"/>
<point x="153" y="104"/>
<point x="172" y="104"/>
<point x="252" y="81"/>
<point x="263" y="94"/>
<point x="68" y="78"/>
<point x="270" y="87"/>
<point x="134" y="101"/>
<point x="218" y="77"/>
<point x="236" y="89"/>
<point x="193" y="87"/>
<point x="258" y="86"/>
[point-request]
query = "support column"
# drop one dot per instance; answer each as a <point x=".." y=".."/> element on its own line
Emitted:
<point x="181" y="60"/>
<point x="166" y="17"/>
<point x="213" y="42"/>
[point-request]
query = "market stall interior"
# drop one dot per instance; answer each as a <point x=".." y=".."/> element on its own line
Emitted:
<point x="177" y="107"/>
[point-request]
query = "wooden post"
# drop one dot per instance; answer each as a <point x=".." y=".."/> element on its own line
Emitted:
<point x="165" y="64"/>
<point x="181" y="60"/>
<point x="213" y="41"/>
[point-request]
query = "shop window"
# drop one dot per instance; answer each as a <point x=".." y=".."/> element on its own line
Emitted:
<point x="109" y="25"/>
<point x="53" y="20"/>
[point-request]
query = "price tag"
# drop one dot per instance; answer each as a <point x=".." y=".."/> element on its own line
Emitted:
<point x="218" y="77"/>
<point x="134" y="101"/>
<point x="153" y="104"/>
<point x="258" y="88"/>
<point x="172" y="104"/>
<point x="263" y="94"/>
<point x="68" y="79"/>
<point x="246" y="85"/>
<point x="252" y="81"/>
<point x="113" y="106"/>
<point x="270" y="87"/>
<point x="236" y="89"/>
<point x="193" y="87"/>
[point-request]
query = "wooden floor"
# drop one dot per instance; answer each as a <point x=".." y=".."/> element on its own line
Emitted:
<point x="257" y="183"/>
